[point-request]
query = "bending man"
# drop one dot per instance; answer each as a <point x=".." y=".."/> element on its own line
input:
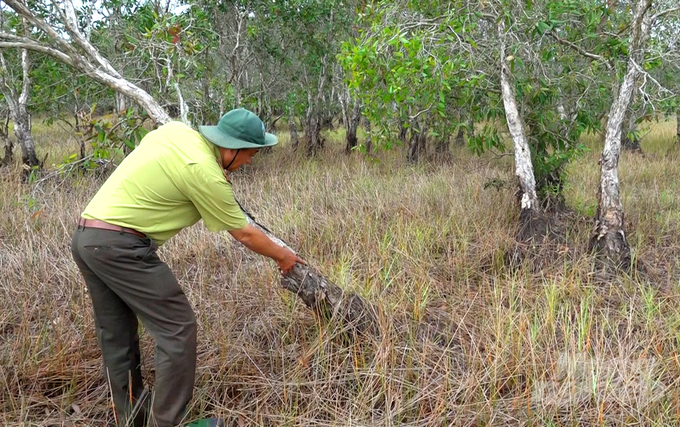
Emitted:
<point x="175" y="177"/>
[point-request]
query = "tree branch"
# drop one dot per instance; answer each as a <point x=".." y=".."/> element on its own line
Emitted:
<point x="665" y="12"/>
<point x="22" y="10"/>
<point x="70" y="21"/>
<point x="580" y="50"/>
<point x="13" y="41"/>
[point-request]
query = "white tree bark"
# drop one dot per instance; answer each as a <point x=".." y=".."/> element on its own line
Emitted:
<point x="22" y="119"/>
<point x="524" y="169"/>
<point x="4" y="137"/>
<point x="610" y="237"/>
<point x="17" y="103"/>
<point x="75" y="50"/>
<point x="120" y="101"/>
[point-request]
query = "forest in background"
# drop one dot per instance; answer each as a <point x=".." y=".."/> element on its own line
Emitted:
<point x="461" y="167"/>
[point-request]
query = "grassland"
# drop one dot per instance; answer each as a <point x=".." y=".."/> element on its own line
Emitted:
<point x="466" y="339"/>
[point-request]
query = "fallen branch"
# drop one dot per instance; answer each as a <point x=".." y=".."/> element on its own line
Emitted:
<point x="318" y="293"/>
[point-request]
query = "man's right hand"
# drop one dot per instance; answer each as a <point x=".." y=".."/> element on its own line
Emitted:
<point x="288" y="261"/>
<point x="255" y="240"/>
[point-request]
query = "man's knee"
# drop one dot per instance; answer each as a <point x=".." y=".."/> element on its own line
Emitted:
<point x="180" y="339"/>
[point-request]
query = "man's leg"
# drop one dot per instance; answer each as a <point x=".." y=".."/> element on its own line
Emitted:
<point x="116" y="328"/>
<point x="130" y="267"/>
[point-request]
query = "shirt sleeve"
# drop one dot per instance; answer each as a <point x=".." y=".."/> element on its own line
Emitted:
<point x="213" y="197"/>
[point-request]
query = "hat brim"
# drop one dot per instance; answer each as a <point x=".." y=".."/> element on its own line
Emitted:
<point x="221" y="139"/>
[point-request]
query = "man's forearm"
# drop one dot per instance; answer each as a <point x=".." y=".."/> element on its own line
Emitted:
<point x="258" y="242"/>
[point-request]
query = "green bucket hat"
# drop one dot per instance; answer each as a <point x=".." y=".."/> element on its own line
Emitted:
<point x="239" y="129"/>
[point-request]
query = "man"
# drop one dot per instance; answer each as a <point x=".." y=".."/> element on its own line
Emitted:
<point x="174" y="178"/>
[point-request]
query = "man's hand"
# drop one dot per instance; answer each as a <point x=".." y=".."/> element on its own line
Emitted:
<point x="255" y="240"/>
<point x="288" y="261"/>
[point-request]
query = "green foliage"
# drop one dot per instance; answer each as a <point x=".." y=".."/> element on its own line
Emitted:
<point x="405" y="74"/>
<point x="110" y="137"/>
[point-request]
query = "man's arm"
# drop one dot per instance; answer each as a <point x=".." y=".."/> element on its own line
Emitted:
<point x="258" y="242"/>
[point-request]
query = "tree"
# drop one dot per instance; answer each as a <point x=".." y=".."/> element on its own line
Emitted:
<point x="609" y="238"/>
<point x="64" y="41"/>
<point x="529" y="205"/>
<point x="17" y="99"/>
<point x="8" y="158"/>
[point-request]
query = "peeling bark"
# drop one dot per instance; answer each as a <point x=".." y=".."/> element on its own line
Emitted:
<point x="524" y="169"/>
<point x="325" y="298"/>
<point x="312" y="137"/>
<point x="8" y="158"/>
<point x="17" y="103"/>
<point x="609" y="238"/>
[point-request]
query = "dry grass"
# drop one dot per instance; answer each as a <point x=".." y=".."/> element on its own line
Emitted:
<point x="466" y="340"/>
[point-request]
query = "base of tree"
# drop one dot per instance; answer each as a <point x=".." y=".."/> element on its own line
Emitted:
<point x="330" y="302"/>
<point x="352" y="142"/>
<point x="312" y="145"/>
<point x="534" y="227"/>
<point x="539" y="240"/>
<point x="612" y="249"/>
<point x="631" y="145"/>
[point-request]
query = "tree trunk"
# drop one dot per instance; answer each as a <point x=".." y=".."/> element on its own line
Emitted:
<point x="8" y="158"/>
<point x="121" y="102"/>
<point x="324" y="297"/>
<point x="351" y="124"/>
<point x="677" y="127"/>
<point x="403" y="131"/>
<point x="369" y="142"/>
<point x="609" y="239"/>
<point x="312" y="137"/>
<point x="524" y="169"/>
<point x="292" y="128"/>
<point x="418" y="143"/>
<point x="630" y="140"/>
<point x="22" y="131"/>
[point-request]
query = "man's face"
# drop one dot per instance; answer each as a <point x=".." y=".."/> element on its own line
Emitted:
<point x="243" y="157"/>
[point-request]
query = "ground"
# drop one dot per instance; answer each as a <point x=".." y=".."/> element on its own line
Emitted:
<point x="466" y="337"/>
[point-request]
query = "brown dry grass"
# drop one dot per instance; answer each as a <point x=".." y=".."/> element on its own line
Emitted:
<point x="466" y="340"/>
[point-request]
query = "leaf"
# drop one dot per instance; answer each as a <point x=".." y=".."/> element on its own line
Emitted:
<point x="542" y="28"/>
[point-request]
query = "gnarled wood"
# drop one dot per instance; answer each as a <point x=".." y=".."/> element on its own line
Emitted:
<point x="325" y="298"/>
<point x="329" y="301"/>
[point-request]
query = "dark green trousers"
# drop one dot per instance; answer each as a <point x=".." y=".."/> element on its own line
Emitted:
<point x="126" y="280"/>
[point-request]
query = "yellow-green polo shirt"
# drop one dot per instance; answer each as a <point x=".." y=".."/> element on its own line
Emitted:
<point x="170" y="181"/>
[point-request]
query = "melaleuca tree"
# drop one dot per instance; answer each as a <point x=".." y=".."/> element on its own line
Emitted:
<point x="15" y="86"/>
<point x="425" y="65"/>
<point x="57" y="33"/>
<point x="615" y="39"/>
